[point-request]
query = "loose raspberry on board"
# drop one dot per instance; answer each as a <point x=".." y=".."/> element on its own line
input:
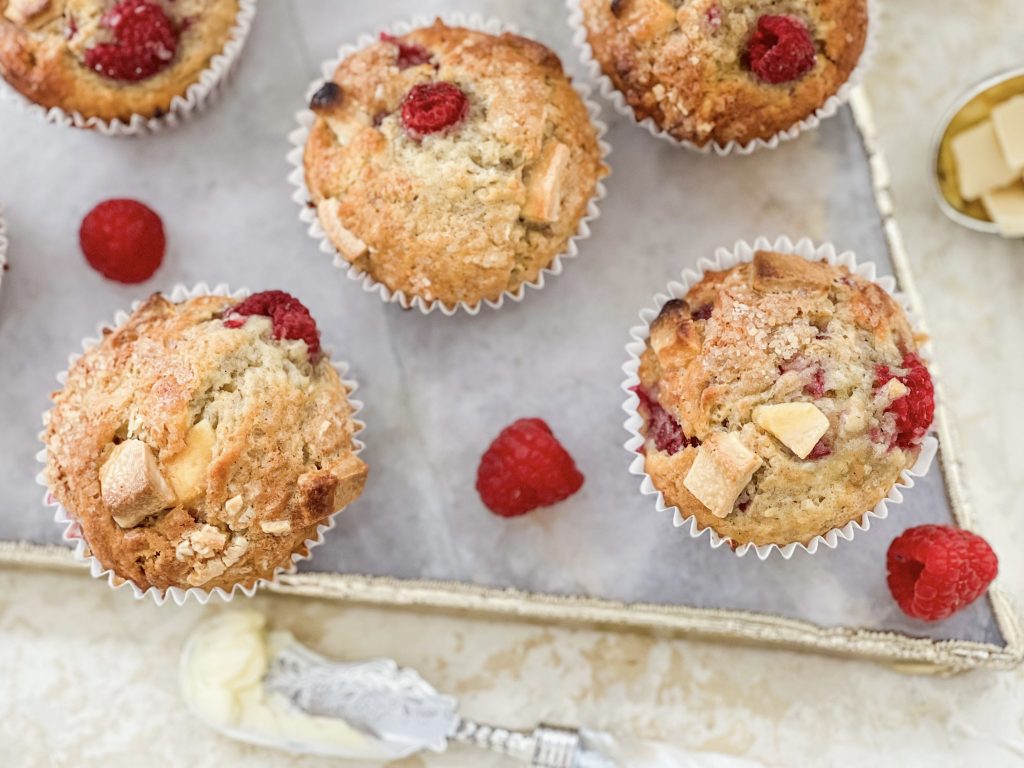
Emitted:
<point x="526" y="468"/>
<point x="936" y="570"/>
<point x="123" y="240"/>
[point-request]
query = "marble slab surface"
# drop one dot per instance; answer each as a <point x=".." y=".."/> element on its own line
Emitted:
<point x="438" y="389"/>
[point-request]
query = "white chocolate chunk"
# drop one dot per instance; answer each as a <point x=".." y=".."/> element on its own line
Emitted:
<point x="351" y="475"/>
<point x="345" y="130"/>
<point x="131" y="484"/>
<point x="217" y="553"/>
<point x="20" y="11"/>
<point x="183" y="550"/>
<point x="980" y="164"/>
<point x="350" y="246"/>
<point x="239" y="546"/>
<point x="244" y="519"/>
<point x="206" y="571"/>
<point x="544" y="184"/>
<point x="890" y="392"/>
<point x="1006" y="208"/>
<point x="233" y="506"/>
<point x="855" y="419"/>
<point x="207" y="540"/>
<point x="798" y="426"/>
<point x="274" y="527"/>
<point x="187" y="471"/>
<point x="1008" y="120"/>
<point x="720" y="472"/>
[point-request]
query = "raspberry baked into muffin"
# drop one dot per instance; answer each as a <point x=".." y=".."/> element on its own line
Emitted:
<point x="781" y="399"/>
<point x="110" y="59"/>
<point x="201" y="443"/>
<point x="451" y="165"/>
<point x="726" y="71"/>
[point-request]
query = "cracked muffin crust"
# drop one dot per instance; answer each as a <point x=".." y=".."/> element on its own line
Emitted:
<point x="110" y="59"/>
<point x="773" y="398"/>
<point x="726" y="70"/>
<point x="449" y="164"/>
<point x="200" y="444"/>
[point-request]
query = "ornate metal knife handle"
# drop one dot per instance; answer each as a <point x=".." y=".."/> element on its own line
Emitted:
<point x="402" y="711"/>
<point x="544" y="747"/>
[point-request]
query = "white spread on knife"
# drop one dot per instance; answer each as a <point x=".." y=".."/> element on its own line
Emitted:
<point x="222" y="679"/>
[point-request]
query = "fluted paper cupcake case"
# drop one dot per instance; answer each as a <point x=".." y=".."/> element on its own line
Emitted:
<point x="726" y="259"/>
<point x="198" y="96"/>
<point x="826" y="110"/>
<point x="308" y="215"/>
<point x="72" y="531"/>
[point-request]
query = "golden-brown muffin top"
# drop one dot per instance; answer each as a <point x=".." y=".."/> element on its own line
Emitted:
<point x="766" y="416"/>
<point x="686" y="65"/>
<point x="465" y="213"/>
<point x="46" y="45"/>
<point x="197" y="449"/>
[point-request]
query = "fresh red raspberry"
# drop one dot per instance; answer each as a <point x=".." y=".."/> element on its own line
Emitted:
<point x="433" y="107"/>
<point x="409" y="54"/>
<point x="290" y="318"/>
<point x="525" y="468"/>
<point x="781" y="49"/>
<point x="935" y="570"/>
<point x="123" y="240"/>
<point x="916" y="409"/>
<point x="145" y="41"/>
<point x="662" y="426"/>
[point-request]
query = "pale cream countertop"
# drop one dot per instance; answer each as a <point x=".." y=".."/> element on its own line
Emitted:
<point x="88" y="677"/>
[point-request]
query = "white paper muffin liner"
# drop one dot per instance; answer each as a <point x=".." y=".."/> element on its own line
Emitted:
<point x="726" y="259"/>
<point x="826" y="110"/>
<point x="73" y="531"/>
<point x="308" y="215"/>
<point x="198" y="96"/>
<point x="3" y="246"/>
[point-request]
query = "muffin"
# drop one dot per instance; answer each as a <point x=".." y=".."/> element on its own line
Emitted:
<point x="111" y="59"/>
<point x="451" y="165"/>
<point x="781" y="399"/>
<point x="200" y="444"/>
<point x="721" y="71"/>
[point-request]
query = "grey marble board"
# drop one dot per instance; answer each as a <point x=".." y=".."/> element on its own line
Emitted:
<point x="437" y="389"/>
